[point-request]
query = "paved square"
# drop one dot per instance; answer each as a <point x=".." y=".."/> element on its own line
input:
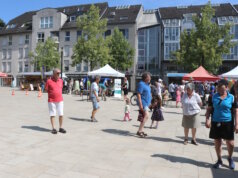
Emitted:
<point x="107" y="149"/>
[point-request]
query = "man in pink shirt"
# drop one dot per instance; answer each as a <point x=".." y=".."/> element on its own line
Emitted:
<point x="54" y="87"/>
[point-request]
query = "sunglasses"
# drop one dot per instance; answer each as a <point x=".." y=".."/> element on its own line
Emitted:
<point x="58" y="73"/>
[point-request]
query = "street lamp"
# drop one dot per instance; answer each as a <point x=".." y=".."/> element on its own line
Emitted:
<point x="61" y="58"/>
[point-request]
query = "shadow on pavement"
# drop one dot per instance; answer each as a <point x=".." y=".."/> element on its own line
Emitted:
<point x="80" y="119"/>
<point x="179" y="159"/>
<point x="118" y="132"/>
<point x="201" y="141"/>
<point x="172" y="112"/>
<point x="146" y="127"/>
<point x="36" y="128"/>
<point x="216" y="173"/>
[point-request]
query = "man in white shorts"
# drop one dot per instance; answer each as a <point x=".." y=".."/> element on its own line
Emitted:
<point x="54" y="87"/>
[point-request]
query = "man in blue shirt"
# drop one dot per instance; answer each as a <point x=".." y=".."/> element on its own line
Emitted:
<point x="223" y="108"/>
<point x="144" y="100"/>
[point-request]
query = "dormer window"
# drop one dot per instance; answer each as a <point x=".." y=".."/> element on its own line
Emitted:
<point x="124" y="18"/>
<point x="46" y="22"/>
<point x="72" y="18"/>
<point x="11" y="26"/>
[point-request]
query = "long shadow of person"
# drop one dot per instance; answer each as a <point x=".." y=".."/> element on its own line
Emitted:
<point x="216" y="173"/>
<point x="36" y="128"/>
<point x="80" y="119"/>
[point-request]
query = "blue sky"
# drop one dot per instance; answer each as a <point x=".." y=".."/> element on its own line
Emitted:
<point x="12" y="8"/>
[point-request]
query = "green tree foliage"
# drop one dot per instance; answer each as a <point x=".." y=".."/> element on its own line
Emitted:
<point x="91" y="46"/>
<point x="201" y="46"/>
<point x="2" y="23"/>
<point x="46" y="54"/>
<point x="121" y="51"/>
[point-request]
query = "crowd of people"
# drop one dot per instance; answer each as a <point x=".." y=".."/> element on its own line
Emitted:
<point x="220" y="115"/>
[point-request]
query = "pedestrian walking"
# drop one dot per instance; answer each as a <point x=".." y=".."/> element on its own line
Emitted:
<point x="54" y="87"/>
<point x="125" y="87"/>
<point x="223" y="110"/>
<point x="157" y="114"/>
<point x="178" y="96"/>
<point x="127" y="110"/>
<point x="95" y="98"/>
<point x="144" y="101"/>
<point x="191" y="103"/>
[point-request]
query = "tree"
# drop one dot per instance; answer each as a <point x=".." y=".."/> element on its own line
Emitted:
<point x="2" y="23"/>
<point x="91" y="46"/>
<point x="46" y="54"/>
<point x="121" y="51"/>
<point x="201" y="46"/>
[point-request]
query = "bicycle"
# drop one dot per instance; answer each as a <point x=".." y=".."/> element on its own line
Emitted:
<point x="133" y="99"/>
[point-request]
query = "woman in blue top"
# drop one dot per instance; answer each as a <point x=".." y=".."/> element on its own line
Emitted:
<point x="223" y="108"/>
<point x="144" y="101"/>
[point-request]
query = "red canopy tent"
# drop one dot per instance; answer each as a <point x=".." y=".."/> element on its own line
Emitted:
<point x="3" y="74"/>
<point x="200" y="74"/>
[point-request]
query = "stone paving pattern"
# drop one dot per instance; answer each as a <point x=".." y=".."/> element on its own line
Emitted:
<point x="107" y="149"/>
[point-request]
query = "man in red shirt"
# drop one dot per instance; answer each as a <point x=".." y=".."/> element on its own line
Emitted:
<point x="54" y="87"/>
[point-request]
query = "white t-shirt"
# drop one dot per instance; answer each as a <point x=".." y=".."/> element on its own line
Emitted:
<point x="94" y="87"/>
<point x="191" y="105"/>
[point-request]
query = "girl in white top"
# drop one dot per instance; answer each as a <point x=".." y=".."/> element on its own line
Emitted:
<point x="127" y="110"/>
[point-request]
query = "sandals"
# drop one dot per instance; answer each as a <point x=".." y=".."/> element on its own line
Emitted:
<point x="141" y="134"/>
<point x="54" y="131"/>
<point x="185" y="141"/>
<point x="194" y="142"/>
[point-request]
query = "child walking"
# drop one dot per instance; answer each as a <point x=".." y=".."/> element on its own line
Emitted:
<point x="157" y="114"/>
<point x="127" y="110"/>
<point x="178" y="96"/>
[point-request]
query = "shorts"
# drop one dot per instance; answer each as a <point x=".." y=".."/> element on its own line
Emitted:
<point x="56" y="108"/>
<point x="222" y="130"/>
<point x="95" y="103"/>
<point x="146" y="108"/>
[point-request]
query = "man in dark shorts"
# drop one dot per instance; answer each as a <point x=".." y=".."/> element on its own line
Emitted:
<point x="223" y="108"/>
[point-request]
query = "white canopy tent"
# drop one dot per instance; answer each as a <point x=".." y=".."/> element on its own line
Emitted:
<point x="231" y="74"/>
<point x="106" y="71"/>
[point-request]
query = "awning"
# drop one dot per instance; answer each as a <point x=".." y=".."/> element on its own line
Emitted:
<point x="176" y="74"/>
<point x="3" y="74"/>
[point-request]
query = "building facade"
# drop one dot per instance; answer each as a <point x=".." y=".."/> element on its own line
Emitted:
<point x="177" y="19"/>
<point x="154" y="34"/>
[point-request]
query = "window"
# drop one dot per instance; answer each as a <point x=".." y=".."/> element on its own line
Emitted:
<point x="66" y="65"/>
<point x="79" y="33"/>
<point x="9" y="67"/>
<point x="41" y="37"/>
<point x="232" y="29"/>
<point x="172" y="34"/>
<point x="169" y="48"/>
<point x="20" y="68"/>
<point x="4" y="54"/>
<point x="4" y="42"/>
<point x="72" y="18"/>
<point x="125" y="33"/>
<point x="10" y="40"/>
<point x="66" y="51"/>
<point x="46" y="22"/>
<point x="107" y="33"/>
<point x="67" y="36"/>
<point x="27" y="39"/>
<point x="85" y="68"/>
<point x="78" y="67"/>
<point x="124" y="18"/>
<point x="26" y="66"/>
<point x="9" y="54"/>
<point x="4" y="67"/>
<point x="26" y="52"/>
<point x="21" y="40"/>
<point x="20" y="55"/>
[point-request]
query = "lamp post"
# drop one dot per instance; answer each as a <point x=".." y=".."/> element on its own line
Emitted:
<point x="61" y="60"/>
